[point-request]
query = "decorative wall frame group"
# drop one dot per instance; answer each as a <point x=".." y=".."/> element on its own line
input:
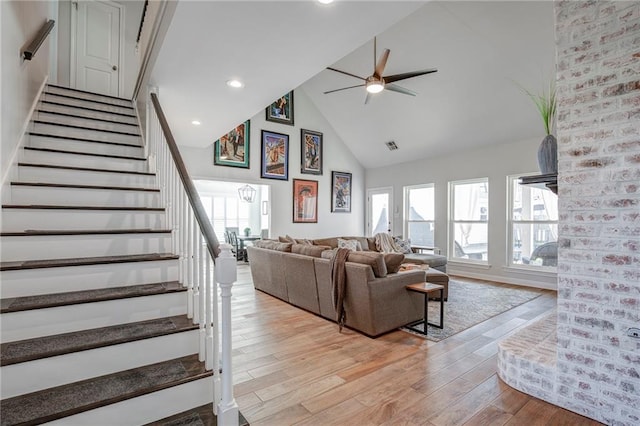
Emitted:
<point x="281" y="111"/>
<point x="274" y="156"/>
<point x="340" y="192"/>
<point x="311" y="152"/>
<point x="232" y="149"/>
<point x="305" y="201"/>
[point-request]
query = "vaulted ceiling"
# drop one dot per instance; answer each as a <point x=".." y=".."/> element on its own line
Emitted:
<point x="485" y="52"/>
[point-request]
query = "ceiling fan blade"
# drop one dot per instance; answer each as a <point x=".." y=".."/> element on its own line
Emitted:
<point x="396" y="88"/>
<point x="346" y="73"/>
<point x="406" y="75"/>
<point x="382" y="63"/>
<point x="344" y="88"/>
<point x="366" y="100"/>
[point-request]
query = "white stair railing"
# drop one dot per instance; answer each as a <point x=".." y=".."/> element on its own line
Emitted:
<point x="200" y="253"/>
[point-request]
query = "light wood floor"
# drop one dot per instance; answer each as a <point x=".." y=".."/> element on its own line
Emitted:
<point x="293" y="367"/>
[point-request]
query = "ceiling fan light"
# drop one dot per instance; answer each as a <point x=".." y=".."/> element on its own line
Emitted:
<point x="375" y="87"/>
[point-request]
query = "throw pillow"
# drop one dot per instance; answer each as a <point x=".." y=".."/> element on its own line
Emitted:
<point x="309" y="250"/>
<point x="373" y="259"/>
<point x="353" y="245"/>
<point x="403" y="245"/>
<point x="304" y="241"/>
<point x="393" y="262"/>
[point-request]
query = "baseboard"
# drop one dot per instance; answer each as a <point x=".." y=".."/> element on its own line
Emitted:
<point x="503" y="279"/>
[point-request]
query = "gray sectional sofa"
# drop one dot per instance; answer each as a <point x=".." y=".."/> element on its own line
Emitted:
<point x="376" y="301"/>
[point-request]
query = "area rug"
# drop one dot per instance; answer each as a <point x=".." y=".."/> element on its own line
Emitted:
<point x="471" y="303"/>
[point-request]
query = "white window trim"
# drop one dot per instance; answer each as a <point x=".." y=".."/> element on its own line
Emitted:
<point x="451" y="224"/>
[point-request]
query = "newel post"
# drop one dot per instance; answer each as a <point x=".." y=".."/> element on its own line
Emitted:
<point x="226" y="274"/>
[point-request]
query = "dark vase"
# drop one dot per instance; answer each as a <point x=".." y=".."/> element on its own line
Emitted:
<point x="548" y="155"/>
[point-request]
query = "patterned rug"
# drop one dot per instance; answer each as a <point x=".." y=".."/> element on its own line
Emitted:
<point x="470" y="303"/>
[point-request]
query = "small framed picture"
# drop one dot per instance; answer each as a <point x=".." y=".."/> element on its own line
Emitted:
<point x="232" y="149"/>
<point x="340" y="192"/>
<point x="305" y="201"/>
<point x="275" y="156"/>
<point x="311" y="152"/>
<point x="281" y="111"/>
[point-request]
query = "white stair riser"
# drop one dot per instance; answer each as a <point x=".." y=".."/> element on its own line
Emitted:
<point x="31" y="282"/>
<point x="84" y="146"/>
<point x="52" y="195"/>
<point x="146" y="408"/>
<point x="89" y="161"/>
<point x="52" y="175"/>
<point x="71" y="132"/>
<point x="24" y="219"/>
<point x="26" y="377"/>
<point x="87" y="104"/>
<point x="84" y="122"/>
<point x="88" y="96"/>
<point x="65" y="319"/>
<point x="80" y="112"/>
<point x="36" y="247"/>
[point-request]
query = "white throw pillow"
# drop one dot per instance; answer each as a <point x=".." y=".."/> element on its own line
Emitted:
<point x="349" y="244"/>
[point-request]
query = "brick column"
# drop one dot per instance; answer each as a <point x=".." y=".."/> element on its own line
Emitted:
<point x="598" y="83"/>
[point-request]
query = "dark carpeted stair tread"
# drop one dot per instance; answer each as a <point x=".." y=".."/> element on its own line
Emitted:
<point x="72" y="89"/>
<point x="62" y="401"/>
<point x="18" y="304"/>
<point x="78" y="186"/>
<point x="92" y="208"/>
<point x="58" y="232"/>
<point x="60" y="344"/>
<point x="83" y="261"/>
<point x="199" y="416"/>
<point x="85" y="169"/>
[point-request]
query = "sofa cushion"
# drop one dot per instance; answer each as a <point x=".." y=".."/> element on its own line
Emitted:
<point x="364" y="243"/>
<point x="286" y="239"/>
<point x="373" y="259"/>
<point x="309" y="250"/>
<point x="331" y="242"/>
<point x="433" y="260"/>
<point x="273" y="245"/>
<point x="393" y="262"/>
<point x="304" y="241"/>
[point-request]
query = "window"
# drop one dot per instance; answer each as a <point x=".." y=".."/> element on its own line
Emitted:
<point x="419" y="214"/>
<point x="469" y="220"/>
<point x="533" y="226"/>
<point x="229" y="212"/>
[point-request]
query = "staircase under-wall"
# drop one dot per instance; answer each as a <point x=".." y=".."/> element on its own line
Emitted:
<point x="93" y="316"/>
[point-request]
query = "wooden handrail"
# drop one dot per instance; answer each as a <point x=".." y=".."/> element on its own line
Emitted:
<point x="32" y="48"/>
<point x="194" y="199"/>
<point x="144" y="14"/>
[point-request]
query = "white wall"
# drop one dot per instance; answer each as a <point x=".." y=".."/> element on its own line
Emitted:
<point x="336" y="157"/>
<point x="494" y="162"/>
<point x="21" y="80"/>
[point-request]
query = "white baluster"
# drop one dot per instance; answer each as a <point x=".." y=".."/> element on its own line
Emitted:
<point x="226" y="275"/>
<point x="213" y="335"/>
<point x="188" y="248"/>
<point x="203" y="297"/>
<point x="194" y="270"/>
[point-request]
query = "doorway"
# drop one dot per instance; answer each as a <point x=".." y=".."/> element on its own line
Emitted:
<point x="97" y="35"/>
<point x="379" y="203"/>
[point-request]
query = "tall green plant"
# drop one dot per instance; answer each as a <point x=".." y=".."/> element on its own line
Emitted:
<point x="546" y="105"/>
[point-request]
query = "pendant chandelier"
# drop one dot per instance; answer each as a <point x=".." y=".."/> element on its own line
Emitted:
<point x="247" y="194"/>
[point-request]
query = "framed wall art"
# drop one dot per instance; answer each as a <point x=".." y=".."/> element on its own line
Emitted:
<point x="232" y="149"/>
<point x="281" y="111"/>
<point x="305" y="201"/>
<point x="340" y="192"/>
<point x="311" y="152"/>
<point x="275" y="156"/>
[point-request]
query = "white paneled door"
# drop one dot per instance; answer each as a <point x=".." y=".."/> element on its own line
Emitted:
<point x="96" y="47"/>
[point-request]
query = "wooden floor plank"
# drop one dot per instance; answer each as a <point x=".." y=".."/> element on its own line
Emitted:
<point x="294" y="367"/>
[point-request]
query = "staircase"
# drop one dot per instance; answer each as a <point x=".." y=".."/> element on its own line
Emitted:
<point x="93" y="314"/>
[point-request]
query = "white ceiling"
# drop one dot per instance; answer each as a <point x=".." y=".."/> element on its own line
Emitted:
<point x="482" y="50"/>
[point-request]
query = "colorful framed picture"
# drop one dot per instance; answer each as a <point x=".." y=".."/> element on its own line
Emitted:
<point x="275" y="156"/>
<point x="340" y="192"/>
<point x="232" y="149"/>
<point x="305" y="201"/>
<point x="281" y="111"/>
<point x="311" y="152"/>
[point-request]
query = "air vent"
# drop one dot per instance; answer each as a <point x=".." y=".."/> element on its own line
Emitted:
<point x="391" y="145"/>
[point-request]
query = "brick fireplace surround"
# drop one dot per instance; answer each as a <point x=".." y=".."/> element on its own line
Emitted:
<point x="581" y="358"/>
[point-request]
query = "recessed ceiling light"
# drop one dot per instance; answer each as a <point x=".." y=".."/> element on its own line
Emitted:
<point x="325" y="1"/>
<point x="235" y="83"/>
<point x="196" y="123"/>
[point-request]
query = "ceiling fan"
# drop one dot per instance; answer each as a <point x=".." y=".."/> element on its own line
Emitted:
<point x="376" y="82"/>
